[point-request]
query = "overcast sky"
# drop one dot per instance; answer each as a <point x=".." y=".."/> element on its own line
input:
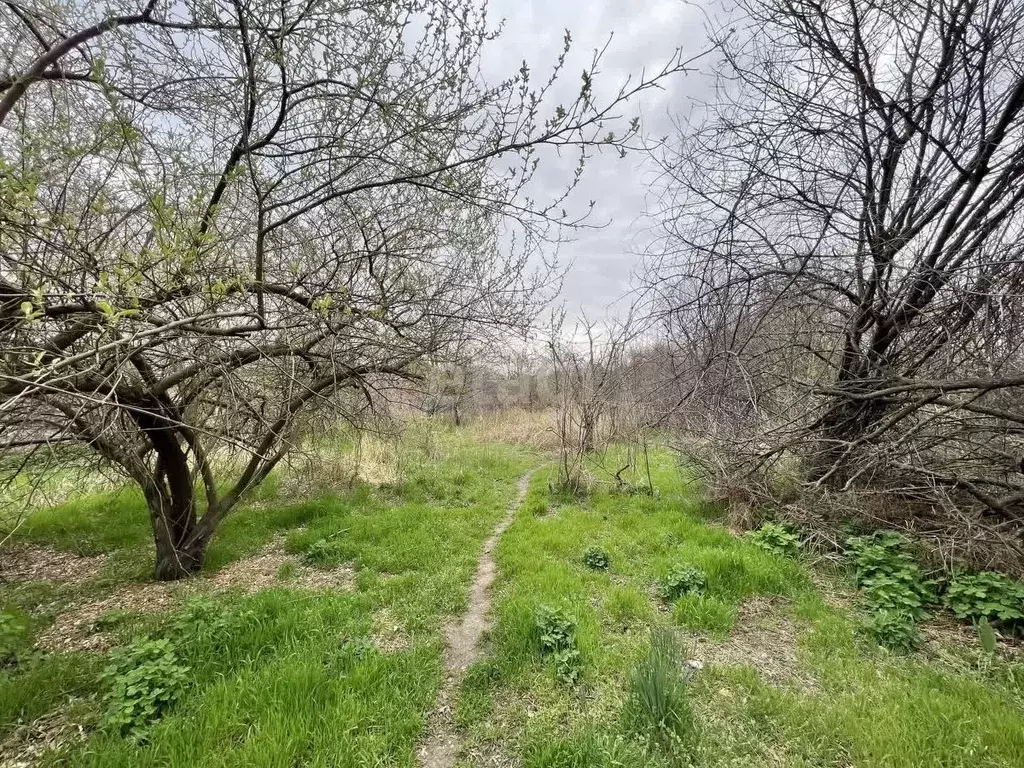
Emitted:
<point x="645" y="33"/>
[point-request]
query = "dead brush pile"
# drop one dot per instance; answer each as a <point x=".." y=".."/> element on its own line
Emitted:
<point x="947" y="533"/>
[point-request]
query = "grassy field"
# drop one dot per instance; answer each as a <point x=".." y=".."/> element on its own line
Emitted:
<point x="315" y="637"/>
<point x="285" y="676"/>
<point x="785" y="677"/>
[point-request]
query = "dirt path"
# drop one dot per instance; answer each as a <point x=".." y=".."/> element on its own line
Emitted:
<point x="462" y="647"/>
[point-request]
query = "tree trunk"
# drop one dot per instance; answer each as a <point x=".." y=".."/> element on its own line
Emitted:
<point x="170" y="495"/>
<point x="174" y="563"/>
<point x="588" y="427"/>
<point x="180" y="544"/>
<point x="845" y="421"/>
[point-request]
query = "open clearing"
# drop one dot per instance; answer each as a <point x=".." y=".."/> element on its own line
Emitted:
<point x="334" y="628"/>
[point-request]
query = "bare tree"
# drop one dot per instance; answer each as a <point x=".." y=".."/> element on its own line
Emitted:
<point x="843" y="244"/>
<point x="218" y="216"/>
<point x="598" y="401"/>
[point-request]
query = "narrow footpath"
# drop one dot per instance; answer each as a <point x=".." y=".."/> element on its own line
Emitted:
<point x="440" y="747"/>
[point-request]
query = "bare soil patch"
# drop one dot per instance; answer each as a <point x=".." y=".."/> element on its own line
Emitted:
<point x="23" y="562"/>
<point x="389" y="635"/>
<point x="74" y="630"/>
<point x="763" y="638"/>
<point x="24" y="747"/>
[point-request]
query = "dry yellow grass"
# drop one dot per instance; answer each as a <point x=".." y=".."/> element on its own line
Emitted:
<point x="375" y="457"/>
<point x="371" y="459"/>
<point x="516" y="426"/>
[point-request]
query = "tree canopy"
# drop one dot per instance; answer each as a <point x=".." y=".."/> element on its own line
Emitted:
<point x="217" y="216"/>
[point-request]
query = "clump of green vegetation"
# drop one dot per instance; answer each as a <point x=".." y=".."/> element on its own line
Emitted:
<point x="899" y="594"/>
<point x="286" y="571"/>
<point x="891" y="578"/>
<point x="626" y="605"/>
<point x="556" y="636"/>
<point x="109" y="620"/>
<point x="143" y="681"/>
<point x="777" y="539"/>
<point x="703" y="613"/>
<point x="986" y="636"/>
<point x="596" y="559"/>
<point x="202" y="618"/>
<point x="13" y="638"/>
<point x="325" y="552"/>
<point x="636" y="489"/>
<point x="682" y="580"/>
<point x="658" y="707"/>
<point x="357" y="648"/>
<point x="986" y="595"/>
<point x="536" y="507"/>
<point x="894" y="630"/>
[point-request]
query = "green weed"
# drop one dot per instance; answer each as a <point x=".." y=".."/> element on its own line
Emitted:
<point x="777" y="539"/>
<point x="556" y="638"/>
<point x="596" y="559"/>
<point x="986" y="636"/>
<point x="894" y="630"/>
<point x="986" y="595"/>
<point x="682" y="580"/>
<point x="327" y="552"/>
<point x="891" y="578"/>
<point x="143" y="681"/>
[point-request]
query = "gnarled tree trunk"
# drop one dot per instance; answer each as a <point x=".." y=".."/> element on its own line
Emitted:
<point x="170" y="495"/>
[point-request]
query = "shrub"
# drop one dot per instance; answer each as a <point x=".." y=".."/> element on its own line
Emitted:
<point x="556" y="636"/>
<point x="596" y="559"/>
<point x="986" y="595"/>
<point x="658" y="706"/>
<point x="683" y="580"/>
<point x="776" y="538"/>
<point x="894" y="630"/>
<point x="143" y="681"/>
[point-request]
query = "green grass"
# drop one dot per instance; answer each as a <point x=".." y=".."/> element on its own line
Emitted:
<point x="861" y="706"/>
<point x="93" y="525"/>
<point x="276" y="684"/>
<point x="285" y="676"/>
<point x="702" y="613"/>
<point x="291" y="677"/>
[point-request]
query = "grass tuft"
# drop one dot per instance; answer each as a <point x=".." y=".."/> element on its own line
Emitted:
<point x="658" y="707"/>
<point x="701" y="613"/>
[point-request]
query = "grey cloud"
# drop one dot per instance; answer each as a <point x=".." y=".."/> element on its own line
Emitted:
<point x="644" y="35"/>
